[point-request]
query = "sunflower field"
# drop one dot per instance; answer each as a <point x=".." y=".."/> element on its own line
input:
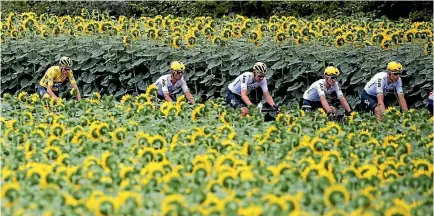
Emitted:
<point x="112" y="55"/>
<point x="137" y="157"/>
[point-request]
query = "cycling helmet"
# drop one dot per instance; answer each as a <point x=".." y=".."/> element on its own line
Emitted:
<point x="177" y="66"/>
<point x="331" y="71"/>
<point x="394" y="67"/>
<point x="65" y="62"/>
<point x="260" y="68"/>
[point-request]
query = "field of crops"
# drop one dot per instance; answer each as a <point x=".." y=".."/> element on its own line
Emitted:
<point x="187" y="32"/>
<point x="99" y="156"/>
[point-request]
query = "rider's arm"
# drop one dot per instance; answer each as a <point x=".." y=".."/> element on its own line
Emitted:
<point x="167" y="97"/>
<point x="189" y="97"/>
<point x="344" y="103"/>
<point x="402" y="102"/>
<point x="50" y="83"/>
<point x="380" y="98"/>
<point x="342" y="99"/>
<point x="50" y="92"/>
<point x="325" y="104"/>
<point x="74" y="86"/>
<point x="268" y="98"/>
<point x="165" y="90"/>
<point x="185" y="89"/>
<point x="322" y="98"/>
<point x="380" y="95"/>
<point x="245" y="97"/>
<point x="401" y="99"/>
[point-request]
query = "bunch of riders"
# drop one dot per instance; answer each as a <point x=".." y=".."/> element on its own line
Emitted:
<point x="316" y="96"/>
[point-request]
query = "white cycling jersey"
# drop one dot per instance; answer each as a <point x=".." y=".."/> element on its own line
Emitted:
<point x="378" y="84"/>
<point x="165" y="85"/>
<point x="318" y="89"/>
<point x="247" y="81"/>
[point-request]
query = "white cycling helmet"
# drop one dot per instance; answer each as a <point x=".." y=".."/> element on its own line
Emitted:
<point x="65" y="62"/>
<point x="260" y="68"/>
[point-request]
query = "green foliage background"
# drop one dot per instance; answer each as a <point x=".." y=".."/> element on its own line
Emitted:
<point x="415" y="11"/>
<point x="104" y="64"/>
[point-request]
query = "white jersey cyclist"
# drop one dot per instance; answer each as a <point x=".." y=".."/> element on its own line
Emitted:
<point x="318" y="89"/>
<point x="246" y="81"/>
<point x="378" y="84"/>
<point x="164" y="85"/>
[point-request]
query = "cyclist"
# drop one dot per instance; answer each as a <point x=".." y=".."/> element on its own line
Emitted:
<point x="169" y="84"/>
<point x="372" y="97"/>
<point x="316" y="95"/>
<point x="236" y="96"/>
<point x="56" y="77"/>
<point x="429" y="103"/>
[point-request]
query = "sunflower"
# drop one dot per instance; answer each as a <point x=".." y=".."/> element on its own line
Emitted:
<point x="386" y="43"/>
<point x="79" y="137"/>
<point x="52" y="152"/>
<point x="339" y="41"/>
<point x="217" y="40"/>
<point x="208" y="31"/>
<point x="58" y="129"/>
<point x="126" y="40"/>
<point x="105" y="205"/>
<point x="336" y="194"/>
<point x="10" y="192"/>
<point x="152" y="33"/>
<point x="119" y="134"/>
<point x="190" y="40"/>
<point x="226" y="33"/>
<point x="280" y="36"/>
<point x="135" y="33"/>
<point x="177" y="42"/>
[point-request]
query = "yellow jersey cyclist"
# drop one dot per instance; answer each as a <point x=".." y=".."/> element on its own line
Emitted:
<point x="168" y="85"/>
<point x="372" y="96"/>
<point x="236" y="96"/>
<point x="317" y="94"/>
<point x="56" y="77"/>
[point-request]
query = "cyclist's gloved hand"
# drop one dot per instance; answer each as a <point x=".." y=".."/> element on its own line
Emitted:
<point x="348" y="113"/>
<point x="276" y="108"/>
<point x="330" y="113"/>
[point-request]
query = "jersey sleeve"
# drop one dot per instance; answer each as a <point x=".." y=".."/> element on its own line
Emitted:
<point x="379" y="85"/>
<point x="71" y="78"/>
<point x="49" y="76"/>
<point x="399" y="86"/>
<point x="338" y="90"/>
<point x="264" y="85"/>
<point x="244" y="80"/>
<point x="184" y="86"/>
<point x="164" y="87"/>
<point x="320" y="89"/>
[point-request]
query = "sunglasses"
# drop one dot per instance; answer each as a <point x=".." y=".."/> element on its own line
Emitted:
<point x="260" y="76"/>
<point x="333" y="77"/>
<point x="65" y="68"/>
<point x="179" y="72"/>
<point x="396" y="74"/>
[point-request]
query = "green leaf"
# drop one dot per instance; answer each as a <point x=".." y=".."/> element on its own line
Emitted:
<point x="25" y="83"/>
<point x="279" y="65"/>
<point x="91" y="63"/>
<point x="214" y="63"/>
<point x="294" y="86"/>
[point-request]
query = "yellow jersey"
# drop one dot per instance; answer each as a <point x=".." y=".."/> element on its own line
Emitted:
<point x="54" y="78"/>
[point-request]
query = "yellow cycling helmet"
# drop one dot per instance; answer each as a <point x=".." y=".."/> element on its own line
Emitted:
<point x="394" y="67"/>
<point x="177" y="66"/>
<point x="331" y="71"/>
